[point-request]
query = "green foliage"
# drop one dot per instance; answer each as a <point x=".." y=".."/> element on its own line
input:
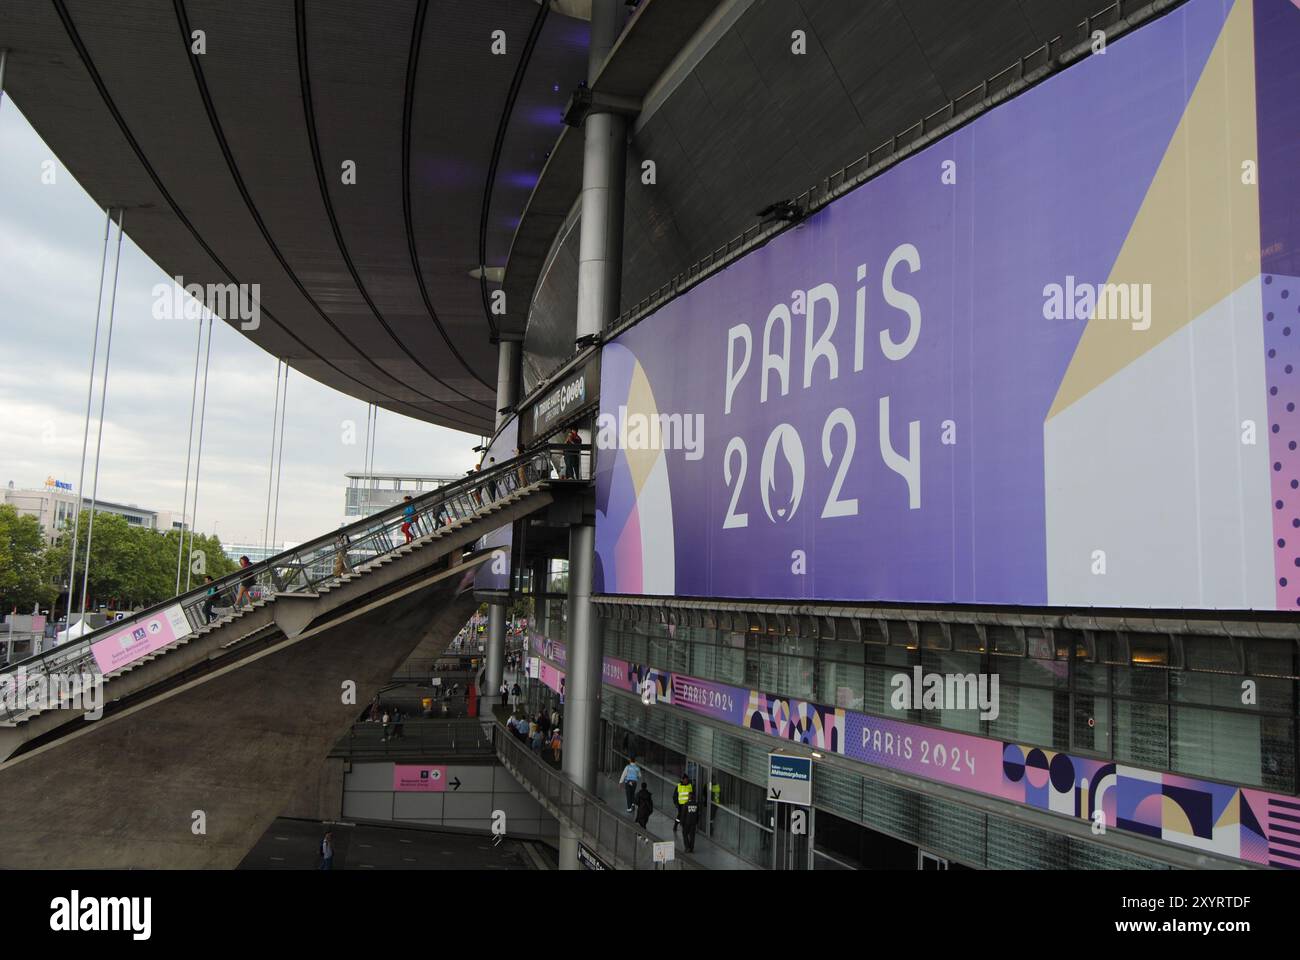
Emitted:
<point x="22" y="569"/>
<point x="133" y="566"/>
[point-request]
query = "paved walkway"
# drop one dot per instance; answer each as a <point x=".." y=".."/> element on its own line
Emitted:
<point x="707" y="853"/>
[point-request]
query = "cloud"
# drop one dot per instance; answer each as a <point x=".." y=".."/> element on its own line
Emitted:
<point x="51" y="241"/>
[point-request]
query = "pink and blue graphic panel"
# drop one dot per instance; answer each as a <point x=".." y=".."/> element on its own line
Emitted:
<point x="1223" y="819"/>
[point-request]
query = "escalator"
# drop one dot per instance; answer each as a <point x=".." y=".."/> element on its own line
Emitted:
<point x="212" y="716"/>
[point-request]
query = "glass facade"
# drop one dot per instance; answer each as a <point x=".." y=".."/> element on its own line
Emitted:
<point x="1096" y="696"/>
<point x="1202" y="706"/>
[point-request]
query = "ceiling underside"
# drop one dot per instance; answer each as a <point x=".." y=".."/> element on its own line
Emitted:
<point x="229" y="164"/>
<point x="752" y="123"/>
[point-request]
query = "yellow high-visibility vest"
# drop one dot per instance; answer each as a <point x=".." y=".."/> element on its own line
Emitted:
<point x="684" y="792"/>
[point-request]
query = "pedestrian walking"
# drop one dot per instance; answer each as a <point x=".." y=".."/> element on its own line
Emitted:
<point x="685" y="791"/>
<point x="630" y="780"/>
<point x="645" y="805"/>
<point x="690" y="820"/>
<point x="327" y="852"/>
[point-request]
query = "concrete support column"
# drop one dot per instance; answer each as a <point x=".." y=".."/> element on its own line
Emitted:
<point x="600" y="244"/>
<point x="583" y="687"/>
<point x="604" y="161"/>
<point x="496" y="648"/>
<point x="507" y="395"/>
<point x="568" y="848"/>
<point x="600" y="262"/>
<point x="507" y="377"/>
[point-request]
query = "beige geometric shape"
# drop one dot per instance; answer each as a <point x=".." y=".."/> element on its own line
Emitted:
<point x="1195" y="238"/>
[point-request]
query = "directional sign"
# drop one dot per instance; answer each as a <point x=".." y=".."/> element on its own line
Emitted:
<point x="589" y="860"/>
<point x="789" y="779"/>
<point x="664" y="851"/>
<point x="413" y="779"/>
<point x="455" y="784"/>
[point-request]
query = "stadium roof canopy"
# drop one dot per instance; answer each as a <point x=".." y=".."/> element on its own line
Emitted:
<point x="230" y="164"/>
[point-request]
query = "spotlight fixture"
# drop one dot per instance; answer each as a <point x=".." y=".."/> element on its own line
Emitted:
<point x="579" y="103"/>
<point x="782" y="210"/>
<point x="491" y="274"/>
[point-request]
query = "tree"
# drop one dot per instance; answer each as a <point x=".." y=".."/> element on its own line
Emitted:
<point x="134" y="566"/>
<point x="22" y="567"/>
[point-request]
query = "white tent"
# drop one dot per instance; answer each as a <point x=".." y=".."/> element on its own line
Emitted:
<point x="78" y="629"/>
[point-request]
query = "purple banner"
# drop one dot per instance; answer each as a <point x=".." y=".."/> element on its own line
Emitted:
<point x="553" y="650"/>
<point x="1016" y="368"/>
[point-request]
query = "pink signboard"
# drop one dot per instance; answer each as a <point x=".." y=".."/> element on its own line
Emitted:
<point x="140" y="638"/>
<point x="552" y="677"/>
<point x="413" y="779"/>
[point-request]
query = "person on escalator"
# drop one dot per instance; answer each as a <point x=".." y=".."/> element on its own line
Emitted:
<point x="244" y="594"/>
<point x="408" y="518"/>
<point x="209" y="599"/>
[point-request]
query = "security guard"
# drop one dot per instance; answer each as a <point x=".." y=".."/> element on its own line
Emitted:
<point x="690" y="820"/>
<point x="685" y="792"/>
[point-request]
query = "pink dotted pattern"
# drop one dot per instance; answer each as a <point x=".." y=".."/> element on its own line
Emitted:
<point x="1282" y="372"/>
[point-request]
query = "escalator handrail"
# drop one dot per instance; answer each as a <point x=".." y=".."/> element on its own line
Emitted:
<point x="538" y="463"/>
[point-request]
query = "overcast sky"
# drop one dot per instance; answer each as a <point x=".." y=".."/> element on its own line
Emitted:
<point x="51" y="236"/>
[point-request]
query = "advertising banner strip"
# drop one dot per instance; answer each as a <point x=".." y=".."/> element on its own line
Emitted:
<point x="553" y="650"/>
<point x="1245" y="823"/>
<point x="575" y="390"/>
<point x="140" y="639"/>
<point x="416" y="779"/>
<point x="495" y="575"/>
<point x="552" y="677"/>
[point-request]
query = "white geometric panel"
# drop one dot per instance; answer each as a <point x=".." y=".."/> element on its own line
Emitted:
<point x="1150" y="468"/>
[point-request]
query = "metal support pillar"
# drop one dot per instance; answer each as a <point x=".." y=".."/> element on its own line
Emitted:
<point x="600" y="244"/>
<point x="604" y="162"/>
<point x="583" y="688"/>
<point x="507" y="396"/>
<point x="568" y="848"/>
<point x="496" y="650"/>
<point x="600" y="263"/>
<point x="507" y="377"/>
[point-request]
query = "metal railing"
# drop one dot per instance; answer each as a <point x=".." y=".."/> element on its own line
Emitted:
<point x="370" y="740"/>
<point x="611" y="835"/>
<point x="302" y="569"/>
